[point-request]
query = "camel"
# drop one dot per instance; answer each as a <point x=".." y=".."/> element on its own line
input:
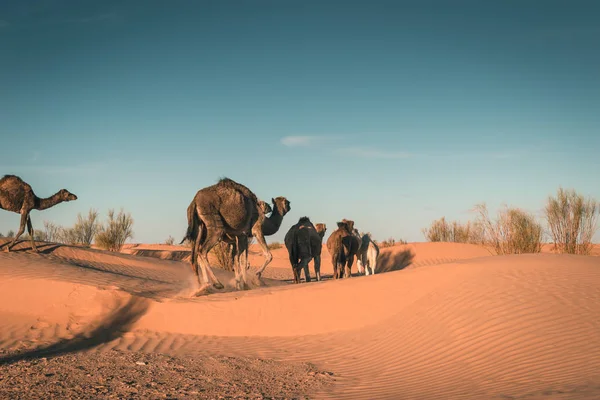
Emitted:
<point x="304" y="242"/>
<point x="17" y="196"/>
<point x="366" y="258"/>
<point x="343" y="244"/>
<point x="225" y="209"/>
<point x="264" y="209"/>
<point x="269" y="226"/>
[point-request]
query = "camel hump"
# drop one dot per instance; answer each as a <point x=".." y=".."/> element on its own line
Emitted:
<point x="231" y="184"/>
<point x="12" y="179"/>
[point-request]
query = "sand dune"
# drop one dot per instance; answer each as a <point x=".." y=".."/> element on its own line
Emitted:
<point x="447" y="321"/>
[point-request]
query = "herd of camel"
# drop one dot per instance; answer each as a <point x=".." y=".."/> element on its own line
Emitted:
<point x="229" y="212"/>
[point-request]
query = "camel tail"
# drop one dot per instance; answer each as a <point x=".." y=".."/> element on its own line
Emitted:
<point x="193" y="225"/>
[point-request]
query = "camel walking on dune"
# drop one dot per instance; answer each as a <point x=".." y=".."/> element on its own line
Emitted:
<point x="343" y="245"/>
<point x="304" y="243"/>
<point x="17" y="196"/>
<point x="226" y="208"/>
<point x="366" y="259"/>
<point x="269" y="225"/>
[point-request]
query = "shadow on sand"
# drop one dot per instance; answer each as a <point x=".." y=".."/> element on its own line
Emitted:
<point x="394" y="261"/>
<point x="112" y="327"/>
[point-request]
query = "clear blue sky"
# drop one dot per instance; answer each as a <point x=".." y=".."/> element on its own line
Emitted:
<point x="391" y="113"/>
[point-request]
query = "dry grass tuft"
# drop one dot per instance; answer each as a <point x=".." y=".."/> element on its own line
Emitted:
<point x="572" y="221"/>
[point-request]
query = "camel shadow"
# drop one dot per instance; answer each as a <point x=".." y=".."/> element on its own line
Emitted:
<point x="112" y="327"/>
<point x="394" y="261"/>
<point x="174" y="255"/>
<point x="43" y="247"/>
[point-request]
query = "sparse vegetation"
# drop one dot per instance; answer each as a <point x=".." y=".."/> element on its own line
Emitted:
<point x="222" y="253"/>
<point x="513" y="232"/>
<point x="274" y="245"/>
<point x="113" y="234"/>
<point x="444" y="231"/>
<point x="10" y="234"/>
<point x="52" y="231"/>
<point x="389" y="242"/>
<point x="572" y="221"/>
<point x="170" y="241"/>
<point x="85" y="229"/>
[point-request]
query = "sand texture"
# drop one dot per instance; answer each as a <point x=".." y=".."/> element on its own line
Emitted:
<point x="439" y="320"/>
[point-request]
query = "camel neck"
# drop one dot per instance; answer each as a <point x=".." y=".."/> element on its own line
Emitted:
<point x="42" y="204"/>
<point x="271" y="225"/>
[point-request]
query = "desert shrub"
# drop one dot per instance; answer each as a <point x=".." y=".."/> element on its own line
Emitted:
<point x="513" y="232"/>
<point x="10" y="234"/>
<point x="170" y="241"/>
<point x="444" y="231"/>
<point x="86" y="228"/>
<point x="66" y="236"/>
<point x="572" y="221"/>
<point x="222" y="253"/>
<point x="274" y="246"/>
<point x="389" y="242"/>
<point x="117" y="229"/>
<point x="52" y="231"/>
<point x="37" y="235"/>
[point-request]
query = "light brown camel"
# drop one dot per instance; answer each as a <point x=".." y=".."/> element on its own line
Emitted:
<point x="304" y="242"/>
<point x="17" y="196"/>
<point x="225" y="208"/>
<point x="342" y="245"/>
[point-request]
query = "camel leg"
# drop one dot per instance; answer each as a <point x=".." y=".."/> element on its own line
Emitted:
<point x="213" y="237"/>
<point x="348" y="272"/>
<point x="266" y="252"/>
<point x="334" y="263"/>
<point x="305" y="268"/>
<point x="318" y="268"/>
<point x="24" y="218"/>
<point x="30" y="230"/>
<point x="242" y="261"/>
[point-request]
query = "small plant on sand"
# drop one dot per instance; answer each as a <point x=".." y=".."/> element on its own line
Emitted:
<point x="52" y="231"/>
<point x="170" y="241"/>
<point x="66" y="236"/>
<point x="444" y="231"/>
<point x="513" y="232"/>
<point x="572" y="221"/>
<point x="86" y="228"/>
<point x="222" y="253"/>
<point x="274" y="246"/>
<point x="389" y="242"/>
<point x="113" y="234"/>
<point x="10" y="234"/>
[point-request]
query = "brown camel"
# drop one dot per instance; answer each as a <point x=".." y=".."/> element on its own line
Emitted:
<point x="17" y="196"/>
<point x="225" y="208"/>
<point x="304" y="242"/>
<point x="343" y="246"/>
<point x="264" y="209"/>
<point x="269" y="225"/>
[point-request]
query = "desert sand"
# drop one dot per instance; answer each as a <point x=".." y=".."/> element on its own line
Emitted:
<point x="439" y="320"/>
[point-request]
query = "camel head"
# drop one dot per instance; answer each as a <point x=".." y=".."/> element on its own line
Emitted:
<point x="321" y="229"/>
<point x="264" y="207"/>
<point x="65" y="195"/>
<point x="349" y="225"/>
<point x="282" y="205"/>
